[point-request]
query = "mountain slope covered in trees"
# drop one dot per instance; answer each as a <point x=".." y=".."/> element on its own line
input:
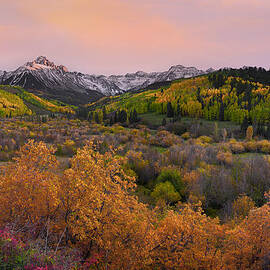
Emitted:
<point x="227" y="95"/>
<point x="15" y="101"/>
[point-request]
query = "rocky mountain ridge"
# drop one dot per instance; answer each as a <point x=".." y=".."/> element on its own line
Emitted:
<point x="75" y="87"/>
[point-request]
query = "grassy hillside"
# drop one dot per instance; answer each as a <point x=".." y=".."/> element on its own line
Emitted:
<point x="15" y="101"/>
<point x="220" y="96"/>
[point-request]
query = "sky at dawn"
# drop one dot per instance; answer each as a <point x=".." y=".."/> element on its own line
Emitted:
<point x="121" y="36"/>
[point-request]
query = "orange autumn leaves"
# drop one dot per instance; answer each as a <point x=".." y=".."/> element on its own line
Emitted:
<point x="90" y="206"/>
<point x="29" y="187"/>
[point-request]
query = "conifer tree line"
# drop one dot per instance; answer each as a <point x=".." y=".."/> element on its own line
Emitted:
<point x="119" y="116"/>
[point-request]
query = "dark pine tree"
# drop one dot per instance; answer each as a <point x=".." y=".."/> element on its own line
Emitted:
<point x="116" y="117"/>
<point x="178" y="112"/>
<point x="122" y="116"/>
<point x="104" y="114"/>
<point x="130" y="118"/>
<point x="245" y="124"/>
<point x="268" y="131"/>
<point x="164" y="122"/>
<point x="111" y="121"/>
<point x="96" y="118"/>
<point x="221" y="111"/>
<point x="90" y="117"/>
<point x="82" y="112"/>
<point x="135" y="116"/>
<point x="260" y="129"/>
<point x="162" y="108"/>
<point x="170" y="112"/>
<point x="199" y="97"/>
<point x="220" y="80"/>
<point x="148" y="106"/>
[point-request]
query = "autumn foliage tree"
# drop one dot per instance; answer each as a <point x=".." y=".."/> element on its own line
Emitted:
<point x="248" y="245"/>
<point x="249" y="133"/>
<point x="100" y="211"/>
<point x="29" y="188"/>
<point x="187" y="240"/>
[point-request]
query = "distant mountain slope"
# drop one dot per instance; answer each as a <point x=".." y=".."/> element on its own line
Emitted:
<point x="57" y="82"/>
<point x="140" y="79"/>
<point x="15" y="101"/>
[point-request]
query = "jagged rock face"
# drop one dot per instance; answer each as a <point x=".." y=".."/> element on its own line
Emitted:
<point x="43" y="63"/>
<point x="140" y="79"/>
<point x="77" y="88"/>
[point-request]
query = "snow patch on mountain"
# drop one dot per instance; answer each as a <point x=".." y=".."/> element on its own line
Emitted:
<point x="43" y="63"/>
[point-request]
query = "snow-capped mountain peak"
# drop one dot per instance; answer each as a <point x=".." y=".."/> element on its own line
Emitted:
<point x="43" y="63"/>
<point x="176" y="67"/>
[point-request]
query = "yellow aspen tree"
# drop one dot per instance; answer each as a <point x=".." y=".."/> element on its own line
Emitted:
<point x="249" y="133"/>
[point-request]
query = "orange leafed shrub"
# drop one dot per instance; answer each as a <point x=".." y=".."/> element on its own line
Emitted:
<point x="251" y="146"/>
<point x="188" y="240"/>
<point x="248" y="245"/>
<point x="264" y="146"/>
<point x="166" y="139"/>
<point x="236" y="147"/>
<point x="225" y="157"/>
<point x="29" y="188"/>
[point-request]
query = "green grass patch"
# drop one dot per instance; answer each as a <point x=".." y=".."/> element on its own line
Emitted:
<point x="153" y="119"/>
